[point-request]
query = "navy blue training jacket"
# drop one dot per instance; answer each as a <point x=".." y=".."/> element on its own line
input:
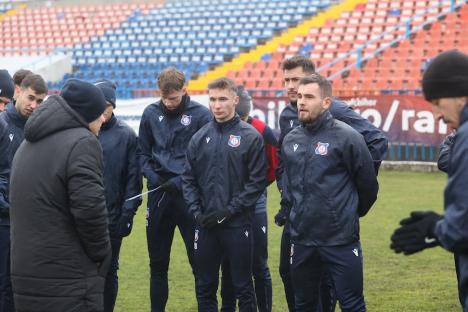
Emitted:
<point x="330" y="180"/>
<point x="122" y="176"/>
<point x="444" y="152"/>
<point x="164" y="137"/>
<point x="226" y="168"/>
<point x="4" y="168"/>
<point x="15" y="132"/>
<point x="375" y="139"/>
<point x="452" y="230"/>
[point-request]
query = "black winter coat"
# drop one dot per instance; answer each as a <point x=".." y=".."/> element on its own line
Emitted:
<point x="60" y="246"/>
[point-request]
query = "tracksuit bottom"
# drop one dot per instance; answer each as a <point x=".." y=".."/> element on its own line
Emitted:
<point x="111" y="286"/>
<point x="461" y="267"/>
<point x="327" y="298"/>
<point x="6" y="292"/>
<point x="211" y="247"/>
<point x="165" y="212"/>
<point x="343" y="263"/>
<point x="261" y="272"/>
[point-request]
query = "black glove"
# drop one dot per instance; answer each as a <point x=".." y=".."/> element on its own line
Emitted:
<point x="125" y="225"/>
<point x="416" y="233"/>
<point x="4" y="207"/>
<point x="168" y="186"/>
<point x="200" y="219"/>
<point x="216" y="217"/>
<point x="280" y="218"/>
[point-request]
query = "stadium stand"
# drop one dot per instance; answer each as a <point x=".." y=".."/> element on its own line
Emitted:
<point x="41" y="30"/>
<point x="191" y="35"/>
<point x="247" y="40"/>
<point x="5" y="6"/>
<point x="381" y="32"/>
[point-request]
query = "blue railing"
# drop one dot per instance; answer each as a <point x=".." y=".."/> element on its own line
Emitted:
<point x="412" y="152"/>
<point x="406" y="25"/>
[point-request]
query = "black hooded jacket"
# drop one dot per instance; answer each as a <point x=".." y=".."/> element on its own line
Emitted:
<point x="59" y="234"/>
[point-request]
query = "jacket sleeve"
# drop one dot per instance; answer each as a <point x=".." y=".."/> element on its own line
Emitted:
<point x="279" y="168"/>
<point x="452" y="231"/>
<point x="190" y="187"/>
<point x="271" y="145"/>
<point x="375" y="139"/>
<point x="133" y="178"/>
<point x="146" y="143"/>
<point x="444" y="153"/>
<point x="360" y="165"/>
<point x="256" y="181"/>
<point x="286" y="198"/>
<point x="4" y="168"/>
<point x="87" y="198"/>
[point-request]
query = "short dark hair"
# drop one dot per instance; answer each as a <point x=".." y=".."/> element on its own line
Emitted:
<point x="35" y="82"/>
<point x="324" y="85"/>
<point x="223" y="84"/>
<point x="20" y="75"/>
<point x="171" y="79"/>
<point x="299" y="61"/>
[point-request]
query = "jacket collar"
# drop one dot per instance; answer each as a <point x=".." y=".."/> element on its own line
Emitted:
<point x="224" y="126"/>
<point x="179" y="110"/>
<point x="318" y="123"/>
<point x="108" y="125"/>
<point x="293" y="105"/>
<point x="15" y="116"/>
<point x="464" y="114"/>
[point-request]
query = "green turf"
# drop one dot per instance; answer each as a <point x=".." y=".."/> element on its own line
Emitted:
<point x="423" y="282"/>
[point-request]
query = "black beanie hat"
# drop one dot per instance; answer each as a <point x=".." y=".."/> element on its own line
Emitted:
<point x="85" y="98"/>
<point x="243" y="107"/>
<point x="108" y="89"/>
<point x="7" y="87"/>
<point x="446" y="76"/>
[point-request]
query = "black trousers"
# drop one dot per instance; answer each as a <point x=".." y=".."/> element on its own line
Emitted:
<point x="212" y="246"/>
<point x="327" y="297"/>
<point x="6" y="292"/>
<point x="165" y="212"/>
<point x="261" y="272"/>
<point x="343" y="263"/>
<point x="461" y="267"/>
<point x="111" y="286"/>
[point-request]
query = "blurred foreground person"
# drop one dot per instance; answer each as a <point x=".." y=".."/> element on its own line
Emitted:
<point x="445" y="85"/>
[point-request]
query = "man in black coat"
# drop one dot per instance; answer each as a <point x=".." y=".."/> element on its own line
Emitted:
<point x="445" y="85"/>
<point x="59" y="231"/>
<point x="122" y="180"/>
<point x="225" y="176"/>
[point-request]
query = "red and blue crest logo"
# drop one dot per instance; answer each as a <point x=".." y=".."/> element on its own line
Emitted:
<point x="234" y="140"/>
<point x="186" y="120"/>
<point x="322" y="148"/>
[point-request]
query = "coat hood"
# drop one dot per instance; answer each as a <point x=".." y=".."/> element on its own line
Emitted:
<point x="52" y="116"/>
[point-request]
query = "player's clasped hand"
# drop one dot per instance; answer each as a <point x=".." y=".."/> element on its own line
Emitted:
<point x="214" y="218"/>
<point x="416" y="233"/>
<point x="280" y="218"/>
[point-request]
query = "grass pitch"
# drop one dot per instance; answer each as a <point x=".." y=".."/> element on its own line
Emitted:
<point x="422" y="282"/>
